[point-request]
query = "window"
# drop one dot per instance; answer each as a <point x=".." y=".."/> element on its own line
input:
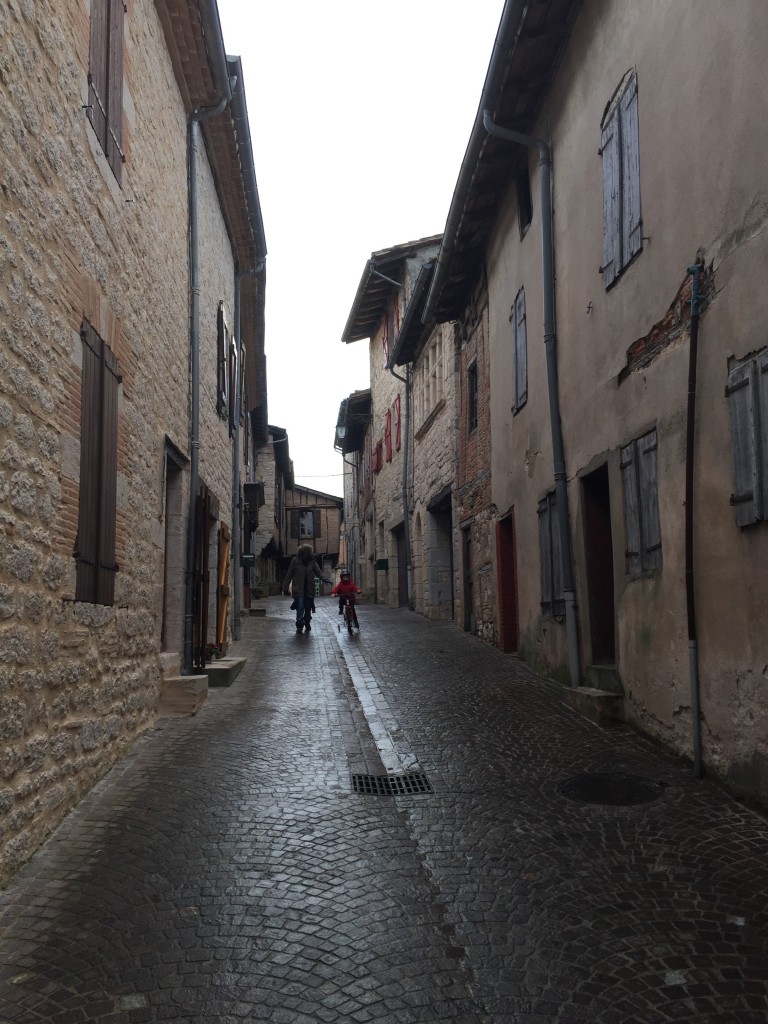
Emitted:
<point x="398" y="439"/>
<point x="520" y="350"/>
<point x="472" y="397"/>
<point x="388" y="435"/>
<point x="105" y="79"/>
<point x="638" y="463"/>
<point x="747" y="393"/>
<point x="223" y="367"/>
<point x="524" y="203"/>
<point x="97" y="512"/>
<point x="305" y="523"/>
<point x="620" y="150"/>
<point x="378" y="457"/>
<point x="552" y="599"/>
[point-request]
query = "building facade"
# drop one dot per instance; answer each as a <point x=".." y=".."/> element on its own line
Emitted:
<point x="98" y="413"/>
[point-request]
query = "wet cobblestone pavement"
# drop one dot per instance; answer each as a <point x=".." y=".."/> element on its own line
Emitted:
<point x="225" y="871"/>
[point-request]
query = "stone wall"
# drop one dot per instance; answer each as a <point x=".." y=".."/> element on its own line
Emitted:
<point x="79" y="682"/>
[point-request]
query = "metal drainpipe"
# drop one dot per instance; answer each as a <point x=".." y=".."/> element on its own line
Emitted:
<point x="194" y="344"/>
<point x="693" y="645"/>
<point x="558" y="449"/>
<point x="406" y="516"/>
<point x="237" y="588"/>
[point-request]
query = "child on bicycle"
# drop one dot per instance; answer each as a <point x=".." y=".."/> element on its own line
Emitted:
<point x="346" y="589"/>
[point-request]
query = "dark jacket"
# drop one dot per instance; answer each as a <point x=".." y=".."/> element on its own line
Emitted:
<point x="301" y="573"/>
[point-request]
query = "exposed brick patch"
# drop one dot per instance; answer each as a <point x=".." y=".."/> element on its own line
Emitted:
<point x="674" y="323"/>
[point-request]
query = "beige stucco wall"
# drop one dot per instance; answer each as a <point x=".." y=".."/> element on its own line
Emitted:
<point x="703" y="191"/>
<point x="79" y="682"/>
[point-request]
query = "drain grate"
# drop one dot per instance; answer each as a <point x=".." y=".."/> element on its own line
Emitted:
<point x="390" y="785"/>
<point x="615" y="788"/>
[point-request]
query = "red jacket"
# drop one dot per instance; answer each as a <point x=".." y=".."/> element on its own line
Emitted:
<point x="348" y="589"/>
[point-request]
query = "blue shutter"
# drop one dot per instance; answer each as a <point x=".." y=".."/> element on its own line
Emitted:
<point x="742" y="393"/>
<point x="647" y="476"/>
<point x="521" y="351"/>
<point x="631" y="508"/>
<point x="631" y="219"/>
<point x="609" y="147"/>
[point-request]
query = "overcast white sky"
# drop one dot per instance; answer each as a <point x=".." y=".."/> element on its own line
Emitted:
<point x="360" y="115"/>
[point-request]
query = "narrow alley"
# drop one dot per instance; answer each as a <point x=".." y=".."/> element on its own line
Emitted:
<point x="229" y="870"/>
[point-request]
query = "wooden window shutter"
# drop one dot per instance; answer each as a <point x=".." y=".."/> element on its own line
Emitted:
<point x="114" y="148"/>
<point x="98" y="70"/>
<point x="388" y="435"/>
<point x="632" y="224"/>
<point x="762" y="435"/>
<point x="105" y="79"/>
<point x="97" y="512"/>
<point x="222" y="347"/>
<point x="398" y="439"/>
<point x="631" y="508"/>
<point x="609" y="147"/>
<point x="317" y="521"/>
<point x="743" y="400"/>
<point x="232" y="384"/>
<point x="521" y="351"/>
<point x="295" y="522"/>
<point x="647" y="478"/>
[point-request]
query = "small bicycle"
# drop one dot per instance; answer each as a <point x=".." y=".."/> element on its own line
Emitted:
<point x="350" y="616"/>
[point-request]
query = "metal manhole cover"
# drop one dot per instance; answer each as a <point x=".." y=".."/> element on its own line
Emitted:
<point x="615" y="788"/>
<point x="390" y="785"/>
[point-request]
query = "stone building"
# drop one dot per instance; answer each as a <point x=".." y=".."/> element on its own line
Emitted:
<point x="270" y="479"/>
<point x="312" y="517"/>
<point x="128" y="294"/>
<point x="387" y="282"/>
<point x="612" y="206"/>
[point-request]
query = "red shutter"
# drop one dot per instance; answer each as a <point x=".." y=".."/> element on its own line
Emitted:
<point x="388" y="434"/>
<point x="397" y="424"/>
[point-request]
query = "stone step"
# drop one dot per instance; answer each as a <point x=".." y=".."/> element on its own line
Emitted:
<point x="604" y="707"/>
<point x="182" y="695"/>
<point x="224" y="671"/>
<point x="603" y="677"/>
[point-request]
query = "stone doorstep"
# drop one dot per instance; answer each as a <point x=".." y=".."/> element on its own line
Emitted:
<point x="604" y="707"/>
<point x="182" y="695"/>
<point x="224" y="671"/>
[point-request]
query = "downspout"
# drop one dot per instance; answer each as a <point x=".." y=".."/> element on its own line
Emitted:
<point x="690" y="441"/>
<point x="406" y="515"/>
<point x="198" y="115"/>
<point x="558" y="448"/>
<point x="237" y="589"/>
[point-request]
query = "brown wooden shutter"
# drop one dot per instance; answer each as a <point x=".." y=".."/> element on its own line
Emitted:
<point x="114" y="146"/>
<point x="98" y="69"/>
<point x="87" y="526"/>
<point x="108" y="504"/>
<point x="97" y="511"/>
<point x="317" y="521"/>
<point x="294" y="522"/>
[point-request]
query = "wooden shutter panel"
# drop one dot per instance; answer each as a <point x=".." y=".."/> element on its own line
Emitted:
<point x="98" y="69"/>
<point x="87" y="553"/>
<point x="631" y="507"/>
<point x="609" y="147"/>
<point x="317" y="522"/>
<point x="108" y="504"/>
<point x="762" y="435"/>
<point x="295" y="522"/>
<point x="545" y="555"/>
<point x="388" y="434"/>
<point x="114" y="140"/>
<point x="521" y="351"/>
<point x="747" y="499"/>
<point x="632" y="225"/>
<point x="647" y="476"/>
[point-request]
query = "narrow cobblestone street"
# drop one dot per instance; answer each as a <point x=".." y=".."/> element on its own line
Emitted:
<point x="226" y="870"/>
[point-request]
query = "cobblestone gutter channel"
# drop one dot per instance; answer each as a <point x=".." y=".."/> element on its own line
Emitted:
<point x="225" y="871"/>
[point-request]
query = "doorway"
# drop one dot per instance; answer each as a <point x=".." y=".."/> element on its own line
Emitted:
<point x="506" y="571"/>
<point x="171" y="632"/>
<point x="598" y="539"/>
<point x="402" y="569"/>
<point x="469" y="588"/>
